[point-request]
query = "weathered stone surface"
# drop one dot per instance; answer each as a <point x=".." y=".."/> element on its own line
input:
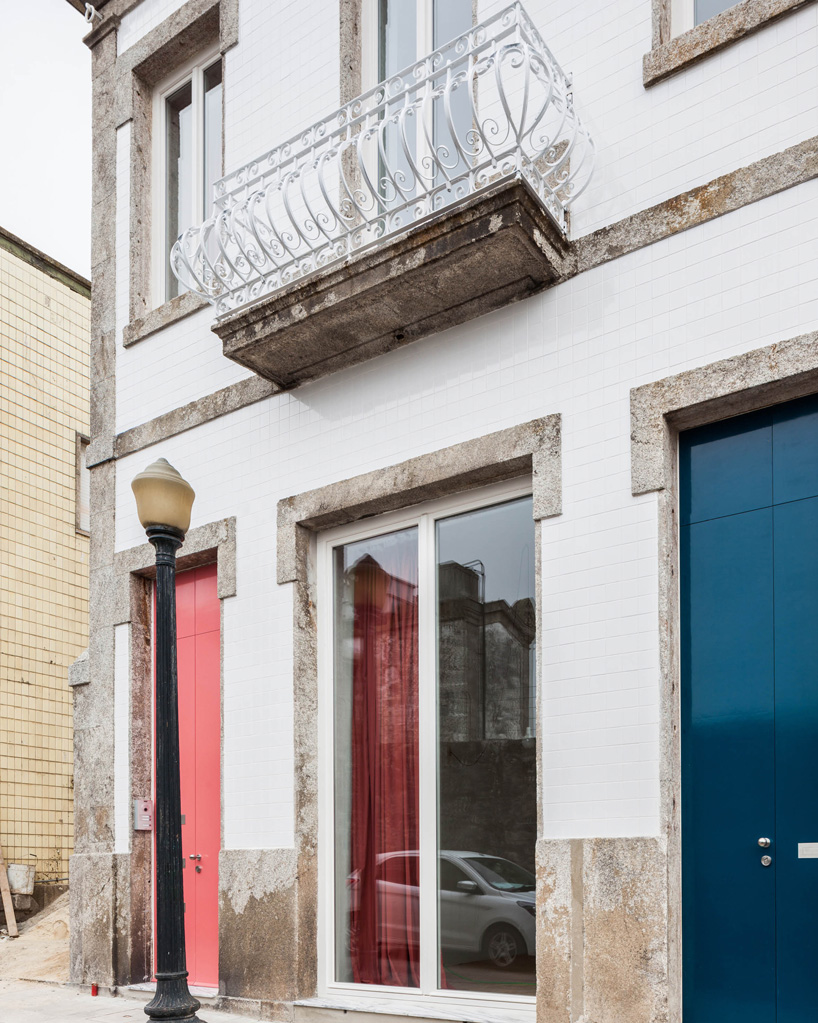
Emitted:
<point x="78" y="671"/>
<point x="221" y="403"/>
<point x="711" y="36"/>
<point x="763" y="178"/>
<point x="473" y="463"/>
<point x="625" y="930"/>
<point x="157" y="319"/>
<point x="93" y="914"/>
<point x="103" y="399"/>
<point x="493" y="250"/>
<point x="778" y="372"/>
<point x="555" y="928"/>
<point x="258" y="928"/>
<point x="203" y="544"/>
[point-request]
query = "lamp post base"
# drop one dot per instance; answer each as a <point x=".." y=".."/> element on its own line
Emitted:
<point x="173" y="1000"/>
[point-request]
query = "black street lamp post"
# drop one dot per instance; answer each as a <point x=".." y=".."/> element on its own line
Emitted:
<point x="164" y="501"/>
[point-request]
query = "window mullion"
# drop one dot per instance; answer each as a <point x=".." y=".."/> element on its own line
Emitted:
<point x="427" y="715"/>
<point x="197" y="162"/>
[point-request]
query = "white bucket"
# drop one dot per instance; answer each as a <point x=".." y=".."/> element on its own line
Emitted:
<point x="21" y="878"/>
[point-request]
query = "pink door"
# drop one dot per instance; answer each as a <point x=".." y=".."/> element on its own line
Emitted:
<point x="198" y="651"/>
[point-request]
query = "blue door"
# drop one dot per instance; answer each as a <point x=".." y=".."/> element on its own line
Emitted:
<point x="749" y="697"/>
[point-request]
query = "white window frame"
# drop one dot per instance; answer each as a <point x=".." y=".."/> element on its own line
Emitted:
<point x="192" y="71"/>
<point x="369" y="39"/>
<point x="427" y="1000"/>
<point x="683" y="16"/>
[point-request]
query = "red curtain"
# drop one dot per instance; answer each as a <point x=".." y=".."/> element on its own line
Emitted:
<point x="384" y="918"/>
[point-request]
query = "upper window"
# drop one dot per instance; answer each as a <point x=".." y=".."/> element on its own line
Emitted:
<point x="397" y="33"/>
<point x="188" y="116"/>
<point x="686" y="14"/>
<point x="429" y="769"/>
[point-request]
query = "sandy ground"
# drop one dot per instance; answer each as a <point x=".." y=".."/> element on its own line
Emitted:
<point x="41" y="951"/>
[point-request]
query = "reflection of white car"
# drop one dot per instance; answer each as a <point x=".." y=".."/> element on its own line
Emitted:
<point x="487" y="903"/>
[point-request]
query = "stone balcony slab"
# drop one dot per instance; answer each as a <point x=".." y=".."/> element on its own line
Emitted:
<point x="496" y="248"/>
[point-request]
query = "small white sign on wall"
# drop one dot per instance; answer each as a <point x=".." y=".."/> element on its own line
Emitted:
<point x="808" y="850"/>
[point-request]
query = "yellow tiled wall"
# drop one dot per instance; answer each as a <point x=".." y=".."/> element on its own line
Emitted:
<point x="44" y="404"/>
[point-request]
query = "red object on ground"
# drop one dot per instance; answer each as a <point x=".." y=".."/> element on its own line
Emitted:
<point x="94" y="990"/>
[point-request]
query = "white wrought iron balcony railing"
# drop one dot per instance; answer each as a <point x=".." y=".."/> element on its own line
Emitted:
<point x="491" y="106"/>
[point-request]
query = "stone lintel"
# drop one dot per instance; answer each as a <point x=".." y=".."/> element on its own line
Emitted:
<point x="532" y="447"/>
<point x="157" y="319"/>
<point x="497" y="248"/>
<point x="741" y="383"/>
<point x="738" y="21"/>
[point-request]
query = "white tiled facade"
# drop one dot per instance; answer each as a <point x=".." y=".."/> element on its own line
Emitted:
<point x="576" y="349"/>
<point x="142" y="18"/>
<point x="735" y="283"/>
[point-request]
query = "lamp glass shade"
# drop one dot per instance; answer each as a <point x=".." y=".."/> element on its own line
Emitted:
<point x="163" y="497"/>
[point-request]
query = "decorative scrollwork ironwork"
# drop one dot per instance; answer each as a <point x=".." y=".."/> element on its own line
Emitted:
<point x="488" y="107"/>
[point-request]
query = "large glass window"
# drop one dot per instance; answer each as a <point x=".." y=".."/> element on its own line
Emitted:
<point x="433" y="760"/>
<point x="407" y="31"/>
<point x="705" y="9"/>
<point x="191" y="112"/>
<point x="487" y="778"/>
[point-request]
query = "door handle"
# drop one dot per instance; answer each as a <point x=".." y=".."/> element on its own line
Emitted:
<point x="764" y="843"/>
<point x="195" y="856"/>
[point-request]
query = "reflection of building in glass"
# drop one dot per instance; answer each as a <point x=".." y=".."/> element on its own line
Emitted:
<point x="486" y="720"/>
<point x="485" y="659"/>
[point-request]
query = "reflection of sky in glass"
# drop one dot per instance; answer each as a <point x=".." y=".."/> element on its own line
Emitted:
<point x="502" y="537"/>
<point x="392" y="551"/>
<point x="708" y="8"/>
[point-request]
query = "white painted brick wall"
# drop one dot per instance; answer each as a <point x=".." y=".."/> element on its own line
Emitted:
<point x="753" y="98"/>
<point x="283" y="74"/>
<point x="123" y="227"/>
<point x="143" y="19"/>
<point x="171" y="368"/>
<point x="733" y="284"/>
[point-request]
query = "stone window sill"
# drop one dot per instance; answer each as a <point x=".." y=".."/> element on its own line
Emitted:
<point x="157" y="319"/>
<point x="713" y="35"/>
<point x="439" y="1010"/>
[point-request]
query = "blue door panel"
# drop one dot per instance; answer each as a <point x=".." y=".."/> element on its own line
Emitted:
<point x="795" y="450"/>
<point x="732" y="469"/>
<point x="728" y="790"/>
<point x="749" y="696"/>
<point x="796" y="756"/>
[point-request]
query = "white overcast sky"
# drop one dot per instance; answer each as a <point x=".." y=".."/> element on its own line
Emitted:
<point x="45" y="129"/>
